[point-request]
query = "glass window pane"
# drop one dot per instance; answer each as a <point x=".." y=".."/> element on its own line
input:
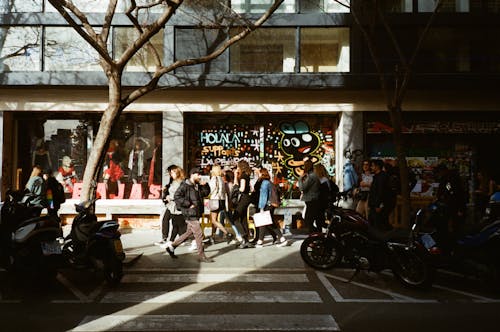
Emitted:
<point x="493" y="6"/>
<point x="447" y="5"/>
<point x="324" y="50"/>
<point x="445" y="50"/>
<point x="397" y="6"/>
<point x="21" y="49"/>
<point x="266" y="50"/>
<point x="324" y="6"/>
<point x="99" y="6"/>
<point x="20" y="6"/>
<point x="66" y="50"/>
<point x="194" y="43"/>
<point x="144" y="60"/>
<point x="260" y="6"/>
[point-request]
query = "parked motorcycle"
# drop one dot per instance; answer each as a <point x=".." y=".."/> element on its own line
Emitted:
<point x="94" y="244"/>
<point x="476" y="254"/>
<point x="350" y="240"/>
<point x="29" y="246"/>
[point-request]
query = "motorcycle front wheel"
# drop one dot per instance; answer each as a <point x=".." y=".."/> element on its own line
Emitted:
<point x="321" y="252"/>
<point x="412" y="270"/>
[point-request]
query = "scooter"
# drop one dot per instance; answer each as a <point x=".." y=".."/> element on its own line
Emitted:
<point x="476" y="254"/>
<point x="94" y="244"/>
<point x="350" y="240"/>
<point x="29" y="246"/>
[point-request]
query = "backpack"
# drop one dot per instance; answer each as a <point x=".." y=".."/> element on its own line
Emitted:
<point x="275" y="197"/>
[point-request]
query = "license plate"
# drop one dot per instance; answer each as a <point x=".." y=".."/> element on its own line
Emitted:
<point x="428" y="241"/>
<point x="51" y="248"/>
<point x="118" y="246"/>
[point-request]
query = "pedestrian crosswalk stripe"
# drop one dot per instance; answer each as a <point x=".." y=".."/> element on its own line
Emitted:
<point x="213" y="297"/>
<point x="215" y="322"/>
<point x="214" y="277"/>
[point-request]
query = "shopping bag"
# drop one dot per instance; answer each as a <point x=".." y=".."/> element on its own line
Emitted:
<point x="213" y="204"/>
<point x="262" y="218"/>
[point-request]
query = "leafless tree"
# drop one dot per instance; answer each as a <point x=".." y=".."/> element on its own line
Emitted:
<point x="368" y="16"/>
<point x="146" y="25"/>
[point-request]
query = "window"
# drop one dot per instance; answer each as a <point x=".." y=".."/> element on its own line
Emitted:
<point x="447" y="6"/>
<point x="266" y="50"/>
<point x="144" y="60"/>
<point x="194" y="43"/>
<point x="20" y="6"/>
<point x="62" y="144"/>
<point x="397" y="6"/>
<point x="99" y="6"/>
<point x="21" y="49"/>
<point x="324" y="6"/>
<point x="445" y="50"/>
<point x="261" y="6"/>
<point x="66" y="50"/>
<point x="324" y="50"/>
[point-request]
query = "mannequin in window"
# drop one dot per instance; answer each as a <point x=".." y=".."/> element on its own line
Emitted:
<point x="136" y="162"/>
<point x="66" y="175"/>
<point x="41" y="156"/>
<point x="112" y="170"/>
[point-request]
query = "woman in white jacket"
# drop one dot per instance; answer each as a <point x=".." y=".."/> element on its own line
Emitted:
<point x="217" y="201"/>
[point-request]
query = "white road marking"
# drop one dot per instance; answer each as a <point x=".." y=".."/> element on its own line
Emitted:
<point x="82" y="298"/>
<point x="196" y="296"/>
<point x="214" y="277"/>
<point x="215" y="322"/>
<point x="478" y="298"/>
<point x="396" y="297"/>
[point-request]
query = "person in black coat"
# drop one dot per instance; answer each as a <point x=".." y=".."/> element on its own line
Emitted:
<point x="379" y="199"/>
<point x="189" y="200"/>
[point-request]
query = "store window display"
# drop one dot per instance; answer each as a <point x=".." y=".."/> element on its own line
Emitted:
<point x="63" y="142"/>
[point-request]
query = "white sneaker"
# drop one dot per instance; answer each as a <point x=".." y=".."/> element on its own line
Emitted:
<point x="283" y="243"/>
<point x="166" y="244"/>
<point x="259" y="244"/>
<point x="193" y="246"/>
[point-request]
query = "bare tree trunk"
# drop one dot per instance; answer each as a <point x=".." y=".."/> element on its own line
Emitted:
<point x="108" y="121"/>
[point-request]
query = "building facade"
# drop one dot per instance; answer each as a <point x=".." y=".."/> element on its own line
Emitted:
<point x="304" y="84"/>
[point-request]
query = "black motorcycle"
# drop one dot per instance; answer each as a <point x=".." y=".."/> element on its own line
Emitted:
<point x="94" y="244"/>
<point x="475" y="253"/>
<point x="29" y="246"/>
<point x="350" y="241"/>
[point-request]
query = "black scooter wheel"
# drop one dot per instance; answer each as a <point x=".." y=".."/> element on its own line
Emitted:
<point x="320" y="252"/>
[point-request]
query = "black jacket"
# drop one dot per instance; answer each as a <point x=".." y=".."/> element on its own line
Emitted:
<point x="380" y="192"/>
<point x="189" y="199"/>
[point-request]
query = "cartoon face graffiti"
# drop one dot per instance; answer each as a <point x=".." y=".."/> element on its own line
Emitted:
<point x="298" y="143"/>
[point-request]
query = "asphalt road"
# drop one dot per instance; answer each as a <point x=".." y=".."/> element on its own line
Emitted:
<point x="261" y="289"/>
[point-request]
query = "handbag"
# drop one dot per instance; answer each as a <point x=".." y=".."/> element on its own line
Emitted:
<point x="213" y="204"/>
<point x="262" y="218"/>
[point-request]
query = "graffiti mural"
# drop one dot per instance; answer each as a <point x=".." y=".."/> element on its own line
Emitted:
<point x="279" y="144"/>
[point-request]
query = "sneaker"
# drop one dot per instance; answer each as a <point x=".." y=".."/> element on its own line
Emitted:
<point x="259" y="244"/>
<point x="170" y="251"/>
<point x="166" y="244"/>
<point x="193" y="246"/>
<point x="283" y="243"/>
<point x="162" y="242"/>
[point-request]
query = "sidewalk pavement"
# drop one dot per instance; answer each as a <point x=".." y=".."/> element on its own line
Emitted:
<point x="142" y="254"/>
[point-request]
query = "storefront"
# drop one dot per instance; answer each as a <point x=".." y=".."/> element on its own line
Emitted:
<point x="276" y="141"/>
<point x="144" y="144"/>
<point x="466" y="143"/>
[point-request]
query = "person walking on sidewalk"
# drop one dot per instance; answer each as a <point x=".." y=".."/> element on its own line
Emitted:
<point x="218" y="196"/>
<point x="189" y="199"/>
<point x="265" y="203"/>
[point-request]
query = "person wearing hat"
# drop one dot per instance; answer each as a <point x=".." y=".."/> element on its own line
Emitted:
<point x="189" y="199"/>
